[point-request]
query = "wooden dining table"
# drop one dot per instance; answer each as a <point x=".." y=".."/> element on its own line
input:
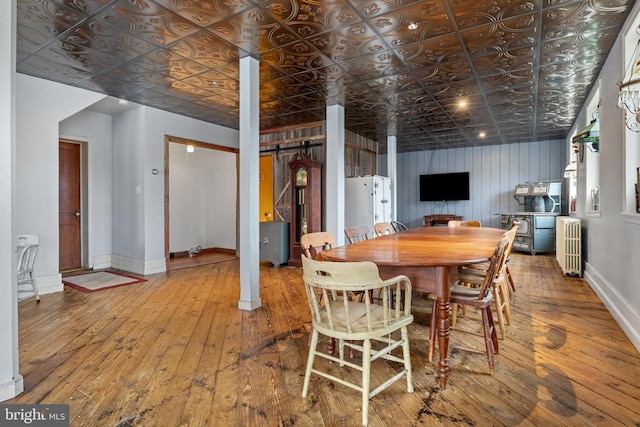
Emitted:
<point x="429" y="257"/>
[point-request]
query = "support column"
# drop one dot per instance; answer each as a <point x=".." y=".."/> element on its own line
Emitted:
<point x="11" y="383"/>
<point x="334" y="173"/>
<point x="249" y="184"/>
<point x="392" y="172"/>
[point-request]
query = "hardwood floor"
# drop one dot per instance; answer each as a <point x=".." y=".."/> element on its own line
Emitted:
<point x="175" y="350"/>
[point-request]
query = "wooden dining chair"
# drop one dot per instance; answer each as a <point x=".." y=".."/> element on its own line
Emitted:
<point x="314" y="243"/>
<point x="343" y="319"/>
<point x="479" y="297"/>
<point x="382" y="228"/>
<point x="472" y="276"/>
<point x="357" y="234"/>
<point x="398" y="226"/>
<point x="458" y="223"/>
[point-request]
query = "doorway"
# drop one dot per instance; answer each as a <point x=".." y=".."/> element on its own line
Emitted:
<point x="201" y="188"/>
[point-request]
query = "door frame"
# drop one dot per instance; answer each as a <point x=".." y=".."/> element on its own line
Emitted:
<point x="84" y="195"/>
<point x="185" y="141"/>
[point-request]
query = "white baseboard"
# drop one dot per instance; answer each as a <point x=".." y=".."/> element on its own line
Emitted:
<point x="101" y="262"/>
<point x="627" y="318"/>
<point x="46" y="285"/>
<point x="137" y="266"/>
<point x="249" y="305"/>
<point x="12" y="388"/>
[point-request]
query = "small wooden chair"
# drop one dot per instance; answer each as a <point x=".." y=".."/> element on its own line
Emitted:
<point x="479" y="297"/>
<point x="357" y="234"/>
<point x="314" y="243"/>
<point x="382" y="228"/>
<point x="344" y="319"/>
<point x="458" y="223"/>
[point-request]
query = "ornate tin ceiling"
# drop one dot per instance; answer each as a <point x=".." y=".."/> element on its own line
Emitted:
<point x="398" y="66"/>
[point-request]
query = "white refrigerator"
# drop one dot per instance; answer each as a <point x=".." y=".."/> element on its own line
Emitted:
<point x="367" y="201"/>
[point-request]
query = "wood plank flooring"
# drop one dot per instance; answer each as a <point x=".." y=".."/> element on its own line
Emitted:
<point x="176" y="351"/>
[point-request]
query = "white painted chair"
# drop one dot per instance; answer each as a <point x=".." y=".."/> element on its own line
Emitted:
<point x="335" y="315"/>
<point x="27" y="250"/>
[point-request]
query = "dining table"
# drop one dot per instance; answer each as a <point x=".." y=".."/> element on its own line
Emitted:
<point x="430" y="258"/>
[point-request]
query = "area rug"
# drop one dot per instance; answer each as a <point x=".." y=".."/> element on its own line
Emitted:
<point x="99" y="281"/>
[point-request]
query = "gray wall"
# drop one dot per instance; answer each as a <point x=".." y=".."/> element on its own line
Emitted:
<point x="494" y="171"/>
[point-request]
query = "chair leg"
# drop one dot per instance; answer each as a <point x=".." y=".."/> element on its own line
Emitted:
<point x="513" y="285"/>
<point x="454" y="313"/>
<point x="506" y="302"/>
<point x="407" y="358"/>
<point x="310" y="358"/>
<point x="366" y="379"/>
<point x="432" y="329"/>
<point x="497" y="298"/>
<point x="487" y="326"/>
<point x="35" y="287"/>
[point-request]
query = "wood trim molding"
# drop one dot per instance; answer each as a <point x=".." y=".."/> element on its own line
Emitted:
<point x="200" y="144"/>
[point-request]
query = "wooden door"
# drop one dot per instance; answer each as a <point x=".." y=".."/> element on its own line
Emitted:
<point x="69" y="206"/>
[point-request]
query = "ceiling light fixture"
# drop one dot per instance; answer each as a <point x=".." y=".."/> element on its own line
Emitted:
<point x="482" y="134"/>
<point x="629" y="90"/>
<point x="412" y="26"/>
<point x="190" y="148"/>
<point x="123" y="102"/>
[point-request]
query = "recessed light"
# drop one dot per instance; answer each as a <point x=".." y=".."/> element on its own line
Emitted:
<point x="462" y="103"/>
<point x="123" y="102"/>
<point x="190" y="148"/>
<point x="215" y="83"/>
<point x="412" y="26"/>
<point x="482" y="134"/>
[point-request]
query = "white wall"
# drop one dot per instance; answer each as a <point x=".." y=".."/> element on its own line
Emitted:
<point x="95" y="130"/>
<point x="159" y="123"/>
<point x="611" y="238"/>
<point x="494" y="171"/>
<point x="126" y="200"/>
<point x="40" y="107"/>
<point x="11" y="382"/>
<point x="201" y="207"/>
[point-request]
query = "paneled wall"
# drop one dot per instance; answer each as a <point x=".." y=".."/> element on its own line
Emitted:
<point x="360" y="156"/>
<point x="494" y="172"/>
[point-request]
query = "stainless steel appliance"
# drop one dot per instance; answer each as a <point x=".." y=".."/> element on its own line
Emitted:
<point x="540" y="203"/>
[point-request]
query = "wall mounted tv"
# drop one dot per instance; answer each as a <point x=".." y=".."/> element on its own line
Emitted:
<point x="444" y="186"/>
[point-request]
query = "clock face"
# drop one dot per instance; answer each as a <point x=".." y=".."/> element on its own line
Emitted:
<point x="301" y="177"/>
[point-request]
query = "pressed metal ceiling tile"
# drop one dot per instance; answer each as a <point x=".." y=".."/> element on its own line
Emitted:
<point x="473" y="13"/>
<point x="47" y="17"/>
<point x="147" y="20"/>
<point x="205" y="12"/>
<point x="413" y="24"/>
<point x="207" y="49"/>
<point x="397" y="66"/>
<point x="108" y="40"/>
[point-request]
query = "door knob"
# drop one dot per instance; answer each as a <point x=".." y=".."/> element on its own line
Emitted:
<point x="77" y="214"/>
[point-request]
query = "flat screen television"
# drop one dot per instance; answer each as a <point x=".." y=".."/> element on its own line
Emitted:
<point x="444" y="186"/>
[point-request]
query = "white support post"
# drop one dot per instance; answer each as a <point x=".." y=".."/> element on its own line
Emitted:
<point x="249" y="184"/>
<point x="334" y="173"/>
<point x="392" y="172"/>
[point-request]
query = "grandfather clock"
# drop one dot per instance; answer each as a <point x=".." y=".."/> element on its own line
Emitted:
<point x="306" y="199"/>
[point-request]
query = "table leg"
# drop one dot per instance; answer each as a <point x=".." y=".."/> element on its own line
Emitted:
<point x="443" y="293"/>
